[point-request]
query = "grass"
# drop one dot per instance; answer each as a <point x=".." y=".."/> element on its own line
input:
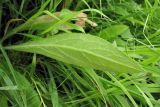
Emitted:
<point x="50" y="61"/>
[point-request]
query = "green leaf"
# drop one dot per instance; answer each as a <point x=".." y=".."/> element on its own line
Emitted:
<point x="3" y="101"/>
<point x="22" y="94"/>
<point x="82" y="50"/>
<point x="119" y="10"/>
<point x="52" y="87"/>
<point x="30" y="95"/>
<point x="110" y="33"/>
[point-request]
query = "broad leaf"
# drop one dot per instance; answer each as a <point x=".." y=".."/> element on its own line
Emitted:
<point x="112" y="32"/>
<point x="82" y="50"/>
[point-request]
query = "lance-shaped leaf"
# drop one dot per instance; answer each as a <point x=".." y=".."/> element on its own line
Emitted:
<point x="82" y="50"/>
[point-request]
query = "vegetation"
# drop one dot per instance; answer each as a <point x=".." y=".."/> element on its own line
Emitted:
<point x="79" y="53"/>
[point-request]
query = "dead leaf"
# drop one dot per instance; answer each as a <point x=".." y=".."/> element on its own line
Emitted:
<point x="81" y="19"/>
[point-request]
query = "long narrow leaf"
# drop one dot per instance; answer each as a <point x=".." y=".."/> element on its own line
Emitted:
<point x="82" y="50"/>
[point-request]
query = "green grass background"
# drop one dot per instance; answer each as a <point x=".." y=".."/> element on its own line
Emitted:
<point x="116" y="64"/>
